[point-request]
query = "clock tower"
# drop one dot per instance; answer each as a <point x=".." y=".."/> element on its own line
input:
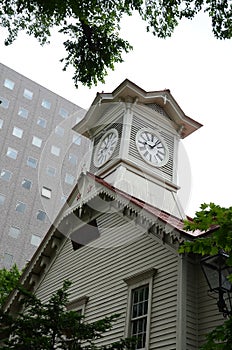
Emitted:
<point x="135" y="136"/>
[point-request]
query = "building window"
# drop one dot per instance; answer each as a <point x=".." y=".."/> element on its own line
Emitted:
<point x="76" y="139"/>
<point x="28" y="94"/>
<point x="6" y="175"/>
<point x="139" y="306"/>
<point x="1" y="123"/>
<point x="46" y="104"/>
<point x="4" y="103"/>
<point x="20" y="207"/>
<point x="26" y="184"/>
<point x="59" y="130"/>
<point x="11" y="153"/>
<point x="139" y="313"/>
<point x="9" y="84"/>
<point x="55" y="150"/>
<point x="69" y="179"/>
<point x="17" y="132"/>
<point x="41" y="215"/>
<point x="2" y="199"/>
<point x="32" y="162"/>
<point x="51" y="171"/>
<point x="46" y="192"/>
<point x="7" y="260"/>
<point x="78" y="304"/>
<point x="36" y="141"/>
<point x="35" y="240"/>
<point x="42" y="122"/>
<point x="14" y="232"/>
<point x="63" y="199"/>
<point x="72" y="158"/>
<point x="23" y="112"/>
<point x="63" y="112"/>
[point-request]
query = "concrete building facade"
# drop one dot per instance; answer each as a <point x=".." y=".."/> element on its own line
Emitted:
<point x="40" y="159"/>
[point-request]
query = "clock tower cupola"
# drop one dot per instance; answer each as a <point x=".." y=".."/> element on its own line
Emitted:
<point x="135" y="136"/>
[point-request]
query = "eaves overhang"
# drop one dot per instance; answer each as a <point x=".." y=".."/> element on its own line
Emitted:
<point x="128" y="92"/>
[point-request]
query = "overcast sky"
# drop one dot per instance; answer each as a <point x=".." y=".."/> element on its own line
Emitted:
<point x="194" y="65"/>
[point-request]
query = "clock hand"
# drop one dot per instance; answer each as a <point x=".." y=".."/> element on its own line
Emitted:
<point x="153" y="146"/>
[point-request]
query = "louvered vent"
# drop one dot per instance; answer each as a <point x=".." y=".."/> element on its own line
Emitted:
<point x="164" y="171"/>
<point x="118" y="126"/>
<point x="157" y="108"/>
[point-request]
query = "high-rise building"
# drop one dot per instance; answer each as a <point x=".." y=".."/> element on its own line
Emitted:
<point x="40" y="160"/>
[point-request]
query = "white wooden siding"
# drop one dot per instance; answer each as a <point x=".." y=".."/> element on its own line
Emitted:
<point x="99" y="273"/>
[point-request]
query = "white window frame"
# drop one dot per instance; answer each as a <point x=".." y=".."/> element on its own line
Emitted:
<point x="9" y="84"/>
<point x="17" y="132"/>
<point x="28" y="94"/>
<point x="37" y="141"/>
<point x="20" y="205"/>
<point x="41" y="122"/>
<point x="135" y="281"/>
<point x="46" y="104"/>
<point x="26" y="180"/>
<point x="78" y="304"/>
<point x="4" y="103"/>
<point x="14" y="232"/>
<point x="3" y="172"/>
<point x="3" y="198"/>
<point x="23" y="113"/>
<point x="46" y="192"/>
<point x="34" y="237"/>
<point x="55" y="150"/>
<point x="12" y="153"/>
<point x="31" y="164"/>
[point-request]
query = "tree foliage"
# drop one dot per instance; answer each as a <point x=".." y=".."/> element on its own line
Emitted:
<point x="216" y="221"/>
<point x="48" y="325"/>
<point x="219" y="221"/>
<point x="92" y="28"/>
<point x="8" y="281"/>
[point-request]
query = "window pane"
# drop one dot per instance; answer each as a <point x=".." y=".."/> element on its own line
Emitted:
<point x="139" y="315"/>
<point x="51" y="171"/>
<point x="35" y="240"/>
<point x="55" y="150"/>
<point x="36" y="141"/>
<point x="23" y="112"/>
<point x="41" y="122"/>
<point x="20" y="207"/>
<point x="2" y="199"/>
<point x="59" y="130"/>
<point x="63" y="112"/>
<point x="46" y="104"/>
<point x="28" y="94"/>
<point x="11" y="153"/>
<point x="1" y="123"/>
<point x="32" y="162"/>
<point x="69" y="179"/>
<point x="4" y="103"/>
<point x="26" y="184"/>
<point x="14" y="232"/>
<point x="6" y="175"/>
<point x="77" y="139"/>
<point x="9" y="84"/>
<point x="8" y="260"/>
<point x="41" y="215"/>
<point x="46" y="192"/>
<point x="17" y="132"/>
<point x="72" y="159"/>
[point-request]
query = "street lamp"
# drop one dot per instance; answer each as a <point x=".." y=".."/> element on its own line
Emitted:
<point x="216" y="272"/>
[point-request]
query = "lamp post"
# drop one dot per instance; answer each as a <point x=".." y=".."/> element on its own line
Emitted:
<point x="216" y="272"/>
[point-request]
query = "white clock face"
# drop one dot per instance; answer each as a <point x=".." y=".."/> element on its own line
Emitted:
<point x="106" y="147"/>
<point x="151" y="147"/>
